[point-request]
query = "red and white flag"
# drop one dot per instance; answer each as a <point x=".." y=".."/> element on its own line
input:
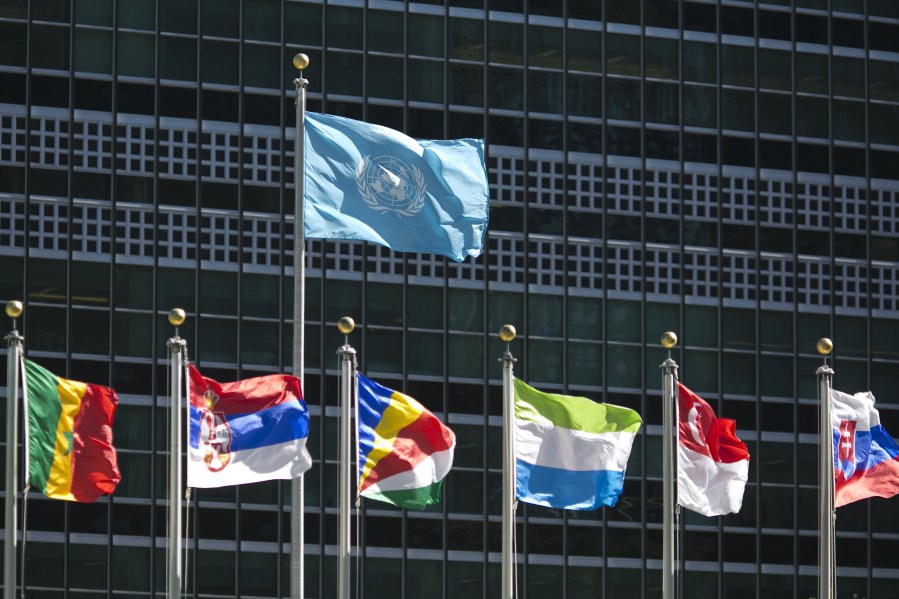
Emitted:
<point x="712" y="463"/>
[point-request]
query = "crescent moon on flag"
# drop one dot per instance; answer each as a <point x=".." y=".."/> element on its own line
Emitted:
<point x="692" y="418"/>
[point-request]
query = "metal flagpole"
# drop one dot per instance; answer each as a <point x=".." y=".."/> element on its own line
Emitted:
<point x="297" y="487"/>
<point x="347" y="372"/>
<point x="826" y="515"/>
<point x="507" y="334"/>
<point x="177" y="349"/>
<point x="669" y="378"/>
<point x="14" y="342"/>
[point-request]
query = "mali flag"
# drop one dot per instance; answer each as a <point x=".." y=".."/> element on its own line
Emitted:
<point x="68" y="436"/>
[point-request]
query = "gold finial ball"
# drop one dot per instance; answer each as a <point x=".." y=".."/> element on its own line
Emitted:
<point x="177" y="317"/>
<point x="14" y="309"/>
<point x="669" y="340"/>
<point x="824" y="346"/>
<point x="507" y="333"/>
<point x="300" y="62"/>
<point x="346" y="325"/>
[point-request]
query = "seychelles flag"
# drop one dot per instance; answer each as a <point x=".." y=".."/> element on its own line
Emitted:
<point x="865" y="457"/>
<point x="405" y="452"/>
<point x="570" y="452"/>
<point x="246" y="431"/>
<point x="68" y="436"/>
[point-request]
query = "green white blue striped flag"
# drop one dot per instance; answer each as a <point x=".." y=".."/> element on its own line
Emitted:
<point x="570" y="452"/>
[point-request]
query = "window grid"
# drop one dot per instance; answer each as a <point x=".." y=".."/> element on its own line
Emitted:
<point x="813" y="205"/>
<point x="813" y="283"/>
<point x="585" y="266"/>
<point x="135" y="150"/>
<point x="135" y="232"/>
<point x="885" y="288"/>
<point x="91" y="229"/>
<point x="12" y="138"/>
<point x="884" y="213"/>
<point x="851" y="285"/>
<point x="661" y="191"/>
<point x="49" y="141"/>
<point x="699" y="269"/>
<point x="738" y="277"/>
<point x="221" y="160"/>
<point x="261" y="241"/>
<point x="177" y="235"/>
<point x="546" y="181"/>
<point x="700" y="196"/>
<point x="506" y="167"/>
<point x="777" y="280"/>
<point x="93" y="144"/>
<point x="775" y="202"/>
<point x="547" y="263"/>
<point x="48" y="226"/>
<point x="624" y="266"/>
<point x="507" y="258"/>
<point x="850" y="208"/>
<point x="623" y="190"/>
<point x="261" y="158"/>
<point x="738" y="200"/>
<point x="177" y="152"/>
<point x="585" y="182"/>
<point x="663" y="271"/>
<point x="12" y="225"/>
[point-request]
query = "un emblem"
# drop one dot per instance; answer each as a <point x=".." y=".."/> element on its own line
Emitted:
<point x="387" y="183"/>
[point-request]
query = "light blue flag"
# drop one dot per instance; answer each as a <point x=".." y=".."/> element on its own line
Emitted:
<point x="371" y="183"/>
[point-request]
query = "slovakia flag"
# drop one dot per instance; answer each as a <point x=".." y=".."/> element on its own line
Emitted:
<point x="245" y="432"/>
<point x="865" y="457"/>
<point x="712" y="463"/>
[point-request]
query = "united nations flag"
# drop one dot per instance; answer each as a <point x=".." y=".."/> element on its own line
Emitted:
<point x="371" y="183"/>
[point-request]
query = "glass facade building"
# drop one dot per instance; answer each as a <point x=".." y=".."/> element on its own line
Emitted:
<point x="723" y="169"/>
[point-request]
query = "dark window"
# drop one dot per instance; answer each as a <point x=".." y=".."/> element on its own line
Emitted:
<point x="12" y="88"/>
<point x="660" y="13"/>
<point x="661" y="103"/>
<point x="812" y="117"/>
<point x="738" y="110"/>
<point x="550" y="8"/>
<point x="811" y="29"/>
<point x="883" y="124"/>
<point x="851" y="246"/>
<point x="737" y="21"/>
<point x="426" y="124"/>
<point x="263" y="110"/>
<point x="662" y="144"/>
<point x="812" y="158"/>
<point x="776" y="240"/>
<point x="738" y="151"/>
<point x="93" y="95"/>
<point x="13" y="46"/>
<point x="626" y="228"/>
<point x="816" y="243"/>
<point x="849" y="161"/>
<point x="584" y="9"/>
<point x="581" y="224"/>
<point x="700" y="17"/>
<point x="623" y="99"/>
<point x="883" y="164"/>
<point x="584" y="138"/>
<point x="178" y="102"/>
<point x="850" y="33"/>
<point x="775" y="25"/>
<point x="623" y="11"/>
<point x="53" y="91"/>
<point x="776" y="154"/>
<point x="883" y="36"/>
<point x="740" y="237"/>
<point x="220" y="106"/>
<point x="662" y="230"/>
<point x="775" y="114"/>
<point x="623" y="141"/>
<point x="700" y="148"/>
<point x="584" y="95"/>
<point x="545" y="134"/>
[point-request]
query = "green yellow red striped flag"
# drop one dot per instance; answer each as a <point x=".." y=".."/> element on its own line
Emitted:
<point x="68" y="436"/>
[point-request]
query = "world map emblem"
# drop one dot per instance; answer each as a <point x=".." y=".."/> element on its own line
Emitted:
<point x="215" y="436"/>
<point x="387" y="184"/>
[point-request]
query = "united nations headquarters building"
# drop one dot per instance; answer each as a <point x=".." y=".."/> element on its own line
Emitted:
<point x="727" y="170"/>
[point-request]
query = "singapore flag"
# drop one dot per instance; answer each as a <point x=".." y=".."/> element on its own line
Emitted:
<point x="712" y="463"/>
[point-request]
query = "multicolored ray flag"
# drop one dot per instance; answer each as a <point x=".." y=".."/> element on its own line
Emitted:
<point x="68" y="436"/>
<point x="371" y="183"/>
<point x="570" y="452"/>
<point x="246" y="431"/>
<point x="405" y="452"/>
<point x="712" y="463"/>
<point x="865" y="457"/>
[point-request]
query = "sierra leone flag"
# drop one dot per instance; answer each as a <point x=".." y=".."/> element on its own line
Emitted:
<point x="405" y="452"/>
<point x="570" y="452"/>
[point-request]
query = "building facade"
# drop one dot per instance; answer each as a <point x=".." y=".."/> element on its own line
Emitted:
<point x="725" y="170"/>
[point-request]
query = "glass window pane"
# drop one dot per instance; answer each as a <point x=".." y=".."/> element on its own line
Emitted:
<point x="49" y="47"/>
<point x="623" y="54"/>
<point x="466" y="310"/>
<point x="775" y="69"/>
<point x="137" y="14"/>
<point x="545" y="315"/>
<point x="661" y="103"/>
<point x="738" y="110"/>
<point x="623" y="99"/>
<point x="177" y="16"/>
<point x="93" y="50"/>
<point x="136" y="54"/>
<point x="700" y="62"/>
<point x="545" y="92"/>
<point x="545" y="361"/>
<point x="466" y="85"/>
<point x="584" y="364"/>
<point x="178" y="58"/>
<point x="466" y="39"/>
<point x="545" y="47"/>
<point x="623" y="369"/>
<point x="425" y="80"/>
<point x="848" y="120"/>
<point x="382" y="28"/>
<point x="584" y="51"/>
<point x="505" y="308"/>
<point x="218" y="341"/>
<point x="775" y="114"/>
<point x="738" y="65"/>
<point x="739" y="373"/>
<point x="466" y="356"/>
<point x="507" y="43"/>
<point x="584" y="318"/>
<point x="700" y="106"/>
<point x="814" y="117"/>
<point x="265" y="70"/>
<point x="585" y="96"/>
<point x="660" y="58"/>
<point x="344" y="27"/>
<point x="425" y="35"/>
<point x="811" y="73"/>
<point x="262" y="20"/>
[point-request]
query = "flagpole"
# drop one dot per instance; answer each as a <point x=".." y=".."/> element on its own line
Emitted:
<point x="14" y="343"/>
<point x="507" y="334"/>
<point x="297" y="487"/>
<point x="826" y="515"/>
<point x="347" y="372"/>
<point x="669" y="378"/>
<point x="177" y="349"/>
